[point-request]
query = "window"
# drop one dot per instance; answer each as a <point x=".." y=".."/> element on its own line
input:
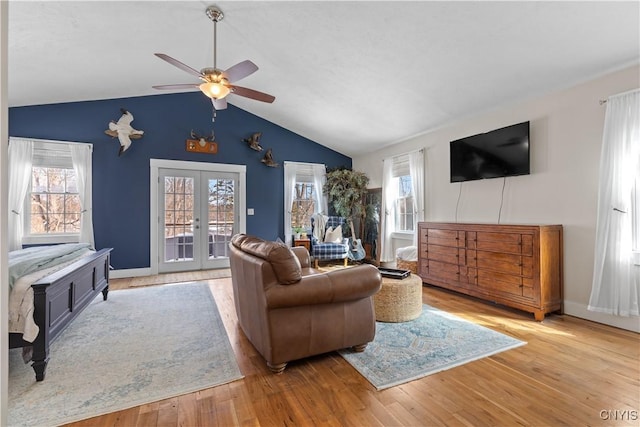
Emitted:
<point x="53" y="202"/>
<point x="303" y="205"/>
<point x="404" y="204"/>
<point x="402" y="194"/>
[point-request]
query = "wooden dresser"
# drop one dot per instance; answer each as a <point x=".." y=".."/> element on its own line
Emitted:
<point x="519" y="266"/>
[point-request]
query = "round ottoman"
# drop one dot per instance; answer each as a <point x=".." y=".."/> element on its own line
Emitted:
<point x="399" y="300"/>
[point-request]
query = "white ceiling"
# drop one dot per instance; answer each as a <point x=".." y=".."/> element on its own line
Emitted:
<point x="353" y="76"/>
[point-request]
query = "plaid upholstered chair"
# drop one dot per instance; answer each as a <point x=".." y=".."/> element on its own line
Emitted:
<point x="323" y="251"/>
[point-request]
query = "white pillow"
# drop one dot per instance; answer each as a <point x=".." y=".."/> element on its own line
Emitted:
<point x="333" y="235"/>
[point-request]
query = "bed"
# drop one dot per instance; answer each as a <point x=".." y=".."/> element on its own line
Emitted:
<point x="43" y="302"/>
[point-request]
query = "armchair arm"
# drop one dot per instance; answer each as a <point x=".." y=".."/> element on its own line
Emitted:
<point x="343" y="285"/>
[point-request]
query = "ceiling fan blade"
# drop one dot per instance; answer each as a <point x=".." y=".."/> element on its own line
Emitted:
<point x="179" y="86"/>
<point x="219" y="104"/>
<point x="240" y="71"/>
<point x="178" y="64"/>
<point x="253" y="94"/>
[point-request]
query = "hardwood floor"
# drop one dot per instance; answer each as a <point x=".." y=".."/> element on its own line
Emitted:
<point x="572" y="372"/>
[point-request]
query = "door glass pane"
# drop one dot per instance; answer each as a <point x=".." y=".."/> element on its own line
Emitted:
<point x="178" y="219"/>
<point x="220" y="203"/>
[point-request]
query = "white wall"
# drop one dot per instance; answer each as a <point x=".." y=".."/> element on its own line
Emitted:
<point x="566" y="137"/>
<point x="4" y="275"/>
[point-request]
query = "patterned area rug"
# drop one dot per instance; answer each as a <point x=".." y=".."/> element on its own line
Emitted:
<point x="434" y="342"/>
<point x="139" y="346"/>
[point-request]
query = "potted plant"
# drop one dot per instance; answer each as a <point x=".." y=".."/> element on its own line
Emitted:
<point x="297" y="232"/>
<point x="346" y="190"/>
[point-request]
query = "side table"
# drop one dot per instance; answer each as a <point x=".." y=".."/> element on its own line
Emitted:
<point x="302" y="242"/>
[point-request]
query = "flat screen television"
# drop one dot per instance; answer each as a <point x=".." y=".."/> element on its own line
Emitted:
<point x="499" y="153"/>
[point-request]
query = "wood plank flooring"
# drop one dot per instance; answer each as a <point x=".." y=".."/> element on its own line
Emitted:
<point x="572" y="372"/>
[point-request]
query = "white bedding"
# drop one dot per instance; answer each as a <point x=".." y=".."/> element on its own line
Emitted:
<point x="21" y="300"/>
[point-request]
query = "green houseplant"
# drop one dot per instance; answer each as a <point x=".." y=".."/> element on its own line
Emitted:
<point x="346" y="190"/>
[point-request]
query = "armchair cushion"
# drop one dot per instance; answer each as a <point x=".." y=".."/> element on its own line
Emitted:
<point x="286" y="265"/>
<point x="333" y="235"/>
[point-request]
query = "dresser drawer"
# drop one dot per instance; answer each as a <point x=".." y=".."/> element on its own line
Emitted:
<point x="446" y="237"/>
<point x="447" y="254"/>
<point x="443" y="270"/>
<point x="505" y="263"/>
<point x="504" y="242"/>
<point x="494" y="281"/>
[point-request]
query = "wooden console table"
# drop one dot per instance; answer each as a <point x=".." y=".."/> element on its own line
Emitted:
<point x="519" y="266"/>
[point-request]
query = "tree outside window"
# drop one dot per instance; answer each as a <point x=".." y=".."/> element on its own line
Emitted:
<point x="303" y="205"/>
<point x="54" y="201"/>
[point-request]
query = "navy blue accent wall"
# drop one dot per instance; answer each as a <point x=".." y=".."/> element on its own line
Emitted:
<point x="121" y="184"/>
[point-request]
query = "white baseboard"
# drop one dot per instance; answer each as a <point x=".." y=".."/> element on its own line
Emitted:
<point x="631" y="323"/>
<point x="129" y="272"/>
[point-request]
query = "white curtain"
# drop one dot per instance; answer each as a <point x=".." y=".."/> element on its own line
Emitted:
<point x="388" y="222"/>
<point x="616" y="280"/>
<point x="319" y="178"/>
<point x="289" y="194"/>
<point x="81" y="155"/>
<point x="19" y="165"/>
<point x="416" y="171"/>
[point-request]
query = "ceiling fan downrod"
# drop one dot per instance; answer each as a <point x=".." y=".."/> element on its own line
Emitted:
<point x="216" y="16"/>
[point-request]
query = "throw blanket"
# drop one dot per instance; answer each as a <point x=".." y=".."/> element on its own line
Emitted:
<point x="21" y="295"/>
<point x="25" y="261"/>
<point x="319" y="225"/>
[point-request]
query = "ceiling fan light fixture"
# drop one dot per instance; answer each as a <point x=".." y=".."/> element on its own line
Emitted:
<point x="214" y="90"/>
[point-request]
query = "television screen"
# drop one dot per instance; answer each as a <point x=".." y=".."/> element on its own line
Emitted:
<point x="495" y="154"/>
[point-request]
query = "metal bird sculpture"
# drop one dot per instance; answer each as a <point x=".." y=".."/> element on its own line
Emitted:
<point x="123" y="131"/>
<point x="254" y="141"/>
<point x="268" y="159"/>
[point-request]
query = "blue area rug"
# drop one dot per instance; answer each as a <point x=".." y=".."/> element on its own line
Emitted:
<point x="141" y="345"/>
<point x="434" y="342"/>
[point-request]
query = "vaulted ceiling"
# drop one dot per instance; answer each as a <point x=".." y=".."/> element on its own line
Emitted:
<point x="353" y="76"/>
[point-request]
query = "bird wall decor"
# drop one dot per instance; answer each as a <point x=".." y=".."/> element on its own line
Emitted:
<point x="254" y="141"/>
<point x="123" y="131"/>
<point x="268" y="159"/>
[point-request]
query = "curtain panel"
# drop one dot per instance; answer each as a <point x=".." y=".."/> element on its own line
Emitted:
<point x="19" y="176"/>
<point x="616" y="280"/>
<point x="387" y="226"/>
<point x="81" y="155"/>
<point x="416" y="170"/>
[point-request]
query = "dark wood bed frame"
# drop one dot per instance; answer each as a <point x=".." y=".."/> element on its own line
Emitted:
<point x="59" y="298"/>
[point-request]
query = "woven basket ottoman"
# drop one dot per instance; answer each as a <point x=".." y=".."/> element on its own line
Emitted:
<point x="399" y="300"/>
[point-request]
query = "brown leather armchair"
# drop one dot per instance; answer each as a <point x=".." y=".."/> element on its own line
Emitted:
<point x="289" y="310"/>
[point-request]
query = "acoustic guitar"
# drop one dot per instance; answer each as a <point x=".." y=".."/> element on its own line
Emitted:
<point x="357" y="251"/>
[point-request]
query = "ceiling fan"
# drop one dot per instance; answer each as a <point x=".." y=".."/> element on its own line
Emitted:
<point x="217" y="84"/>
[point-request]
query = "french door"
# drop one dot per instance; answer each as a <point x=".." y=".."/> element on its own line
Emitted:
<point x="198" y="213"/>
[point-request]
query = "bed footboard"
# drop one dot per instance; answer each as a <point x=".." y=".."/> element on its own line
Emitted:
<point x="60" y="297"/>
